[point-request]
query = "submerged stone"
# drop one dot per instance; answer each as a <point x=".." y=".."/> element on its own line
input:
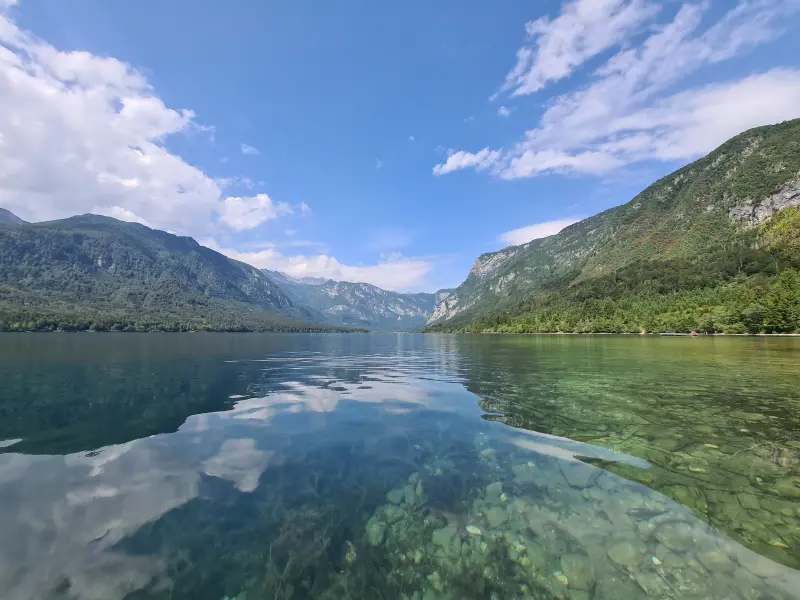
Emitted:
<point x="496" y="517"/>
<point x="350" y="554"/>
<point x="396" y="496"/>
<point x="493" y="490"/>
<point x="443" y="537"/>
<point x="375" y="531"/>
<point x="579" y="475"/>
<point x="579" y="570"/>
<point x="749" y="501"/>
<point x="716" y="561"/>
<point x="436" y="581"/>
<point x="625" y="553"/>
<point x="677" y="536"/>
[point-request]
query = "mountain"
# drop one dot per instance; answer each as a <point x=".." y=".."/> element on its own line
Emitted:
<point x="713" y="247"/>
<point x="358" y="304"/>
<point x="92" y="272"/>
<point x="9" y="218"/>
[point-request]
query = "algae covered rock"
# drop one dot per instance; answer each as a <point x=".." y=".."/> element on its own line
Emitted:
<point x="443" y="537"/>
<point x="375" y="531"/>
<point x="396" y="496"/>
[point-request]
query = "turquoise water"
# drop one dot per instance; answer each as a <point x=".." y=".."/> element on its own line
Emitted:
<point x="398" y="466"/>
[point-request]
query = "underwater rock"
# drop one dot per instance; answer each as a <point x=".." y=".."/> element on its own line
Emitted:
<point x="625" y="553"/>
<point x="436" y="581"/>
<point x="375" y="531"/>
<point x="676" y="535"/>
<point x="496" y="517"/>
<point x="749" y="501"/>
<point x="579" y="475"/>
<point x="523" y="474"/>
<point x="715" y="561"/>
<point x="579" y="570"/>
<point x="538" y="557"/>
<point x="653" y="584"/>
<point x="787" y="486"/>
<point x="410" y="494"/>
<point x="763" y="567"/>
<point x="493" y="490"/>
<point x="350" y="555"/>
<point x="394" y="514"/>
<point x="443" y="537"/>
<point x="396" y="496"/>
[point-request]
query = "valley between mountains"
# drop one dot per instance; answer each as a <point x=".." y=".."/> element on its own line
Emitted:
<point x="713" y="247"/>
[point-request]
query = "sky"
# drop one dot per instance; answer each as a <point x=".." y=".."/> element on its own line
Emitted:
<point x="391" y="143"/>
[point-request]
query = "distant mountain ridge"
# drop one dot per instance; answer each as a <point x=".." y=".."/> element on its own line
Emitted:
<point x="9" y="218"/>
<point x="358" y="304"/>
<point x="713" y="247"/>
<point x="93" y="272"/>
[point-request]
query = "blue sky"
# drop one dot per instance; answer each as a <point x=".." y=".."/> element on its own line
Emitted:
<point x="385" y="142"/>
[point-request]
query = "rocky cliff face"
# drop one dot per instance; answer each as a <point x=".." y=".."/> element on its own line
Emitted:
<point x="752" y="213"/>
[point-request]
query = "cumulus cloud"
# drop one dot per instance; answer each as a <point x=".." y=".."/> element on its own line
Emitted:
<point x="393" y="272"/>
<point x="83" y="133"/>
<point x="248" y="149"/>
<point x="523" y="235"/>
<point x="305" y="209"/>
<point x="121" y="214"/>
<point x="504" y="111"/>
<point x="630" y="110"/>
<point x="242" y="213"/>
<point x="479" y="161"/>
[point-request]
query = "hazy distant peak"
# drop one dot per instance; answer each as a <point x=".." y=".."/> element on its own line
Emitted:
<point x="9" y="218"/>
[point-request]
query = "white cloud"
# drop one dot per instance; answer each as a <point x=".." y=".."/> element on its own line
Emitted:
<point x="504" y="111"/>
<point x="242" y="213"/>
<point x="523" y="235"/>
<point x="81" y="133"/>
<point x="480" y="161"/>
<point x="378" y="163"/>
<point x="630" y="111"/>
<point x="394" y="272"/>
<point x="248" y="149"/>
<point x="122" y="214"/>
<point x="305" y="209"/>
<point x="584" y="29"/>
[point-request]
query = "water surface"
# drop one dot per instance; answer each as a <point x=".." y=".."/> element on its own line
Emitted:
<point x="398" y="466"/>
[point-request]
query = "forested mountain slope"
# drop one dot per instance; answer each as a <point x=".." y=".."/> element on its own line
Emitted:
<point x="92" y="272"/>
<point x="712" y="247"/>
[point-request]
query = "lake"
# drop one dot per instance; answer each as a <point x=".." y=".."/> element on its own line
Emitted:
<point x="213" y="466"/>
